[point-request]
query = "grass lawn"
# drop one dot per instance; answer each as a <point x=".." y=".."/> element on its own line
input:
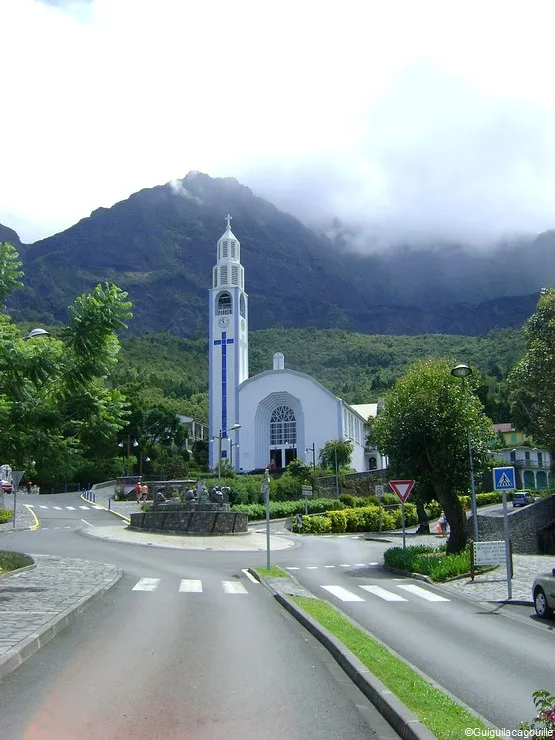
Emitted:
<point x="274" y="572"/>
<point x="13" y="561"/>
<point x="443" y="716"/>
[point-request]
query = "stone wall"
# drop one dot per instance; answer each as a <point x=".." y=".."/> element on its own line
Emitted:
<point x="211" y="519"/>
<point x="358" y="484"/>
<point x="524" y="524"/>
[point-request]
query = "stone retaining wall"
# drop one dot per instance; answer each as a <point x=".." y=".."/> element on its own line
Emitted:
<point x="524" y="524"/>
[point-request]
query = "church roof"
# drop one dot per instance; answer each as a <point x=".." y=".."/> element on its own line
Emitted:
<point x="366" y="410"/>
<point x="296" y="373"/>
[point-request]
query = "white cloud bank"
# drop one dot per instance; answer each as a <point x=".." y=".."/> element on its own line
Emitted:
<point x="411" y="119"/>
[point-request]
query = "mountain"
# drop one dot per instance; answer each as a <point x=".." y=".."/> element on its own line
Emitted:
<point x="159" y="245"/>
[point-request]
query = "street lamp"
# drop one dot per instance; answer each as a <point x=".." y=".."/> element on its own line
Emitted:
<point x="219" y="437"/>
<point x="462" y="372"/>
<point x="336" y="472"/>
<point x="135" y="444"/>
<point x="313" y="449"/>
<point x="231" y="446"/>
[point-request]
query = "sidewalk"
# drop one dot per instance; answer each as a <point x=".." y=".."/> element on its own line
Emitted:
<point x="39" y="601"/>
<point x="24" y="517"/>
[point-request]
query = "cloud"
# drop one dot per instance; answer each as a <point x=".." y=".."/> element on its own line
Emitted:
<point x="409" y="120"/>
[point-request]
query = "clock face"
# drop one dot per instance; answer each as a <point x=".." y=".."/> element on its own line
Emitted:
<point x="223" y="321"/>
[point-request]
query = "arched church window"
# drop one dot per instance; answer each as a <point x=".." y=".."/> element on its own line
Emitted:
<point x="242" y="307"/>
<point x="224" y="303"/>
<point x="283" y="426"/>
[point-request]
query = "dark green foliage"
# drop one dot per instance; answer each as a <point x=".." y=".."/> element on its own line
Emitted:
<point x="282" y="509"/>
<point x="13" y="561"/>
<point x="6" y="515"/>
<point x="432" y="562"/>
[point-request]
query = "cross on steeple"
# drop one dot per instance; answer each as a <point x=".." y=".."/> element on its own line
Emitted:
<point x="228" y="221"/>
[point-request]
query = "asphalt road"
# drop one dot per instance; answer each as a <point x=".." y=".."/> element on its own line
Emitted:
<point x="491" y="657"/>
<point x="184" y="646"/>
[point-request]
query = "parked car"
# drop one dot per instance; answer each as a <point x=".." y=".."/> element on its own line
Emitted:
<point x="543" y="592"/>
<point x="522" y="498"/>
<point x="6" y="486"/>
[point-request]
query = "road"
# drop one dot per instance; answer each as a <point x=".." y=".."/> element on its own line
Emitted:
<point x="491" y="657"/>
<point x="184" y="646"/>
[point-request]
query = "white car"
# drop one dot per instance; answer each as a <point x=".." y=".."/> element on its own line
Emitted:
<point x="543" y="593"/>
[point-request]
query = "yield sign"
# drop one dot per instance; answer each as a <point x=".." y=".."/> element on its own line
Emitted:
<point x="402" y="488"/>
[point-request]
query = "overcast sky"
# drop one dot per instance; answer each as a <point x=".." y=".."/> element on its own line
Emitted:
<point x="426" y="118"/>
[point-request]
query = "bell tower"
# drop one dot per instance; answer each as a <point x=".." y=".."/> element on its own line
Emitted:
<point x="228" y="350"/>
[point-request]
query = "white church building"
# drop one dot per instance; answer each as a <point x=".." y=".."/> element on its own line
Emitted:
<point x="269" y="419"/>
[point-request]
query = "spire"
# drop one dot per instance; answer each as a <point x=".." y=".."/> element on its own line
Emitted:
<point x="228" y="221"/>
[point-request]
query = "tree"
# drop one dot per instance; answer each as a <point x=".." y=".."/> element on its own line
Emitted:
<point x="54" y="402"/>
<point x="424" y="428"/>
<point x="336" y="452"/>
<point x="532" y="380"/>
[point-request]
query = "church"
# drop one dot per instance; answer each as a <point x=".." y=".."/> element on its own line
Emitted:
<point x="267" y="420"/>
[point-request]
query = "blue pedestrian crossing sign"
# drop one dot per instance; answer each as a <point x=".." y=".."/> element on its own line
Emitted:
<point x="504" y="479"/>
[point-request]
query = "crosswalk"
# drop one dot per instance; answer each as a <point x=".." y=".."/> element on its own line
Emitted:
<point x="61" y="508"/>
<point x="385" y="594"/>
<point x="191" y="586"/>
<point x="362" y="592"/>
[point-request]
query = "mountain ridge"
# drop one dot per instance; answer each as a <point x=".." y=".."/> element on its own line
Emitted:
<point x="160" y="245"/>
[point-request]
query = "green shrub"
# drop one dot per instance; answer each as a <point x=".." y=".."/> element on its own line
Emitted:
<point x="348" y="499"/>
<point x="5" y="516"/>
<point x="338" y="521"/>
<point x="282" y="509"/>
<point x="429" y="561"/>
<point x="411" y="517"/>
<point x="13" y="560"/>
<point x="389" y="499"/>
<point x="315" y="525"/>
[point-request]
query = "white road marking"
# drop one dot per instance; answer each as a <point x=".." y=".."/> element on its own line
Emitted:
<point x="344" y="565"/>
<point x="57" y="527"/>
<point x="59" y="508"/>
<point x="30" y="506"/>
<point x="234" y="587"/>
<point x="329" y="566"/>
<point x="190" y="586"/>
<point x="67" y="526"/>
<point x="71" y="508"/>
<point x="373" y="563"/>
<point x="342" y="593"/>
<point x="146" y="584"/>
<point x="43" y="529"/>
<point x="42" y="507"/>
<point x="312" y="567"/>
<point x="87" y="523"/>
<point x="84" y="507"/>
<point x="98" y="507"/>
<point x="383" y="593"/>
<point x="249" y="575"/>
<point x="418" y="591"/>
<point x="292" y="567"/>
<point x="360" y="565"/>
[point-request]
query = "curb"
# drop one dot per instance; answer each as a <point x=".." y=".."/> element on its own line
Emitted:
<point x="15" y="657"/>
<point x="405" y="723"/>
<point x="110" y="511"/>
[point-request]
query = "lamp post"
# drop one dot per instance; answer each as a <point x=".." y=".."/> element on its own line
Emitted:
<point x="313" y="450"/>
<point x="219" y="437"/>
<point x="135" y="444"/>
<point x="336" y="472"/>
<point x="232" y="444"/>
<point x="462" y="372"/>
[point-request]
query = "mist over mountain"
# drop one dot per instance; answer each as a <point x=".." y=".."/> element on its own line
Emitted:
<point x="160" y="246"/>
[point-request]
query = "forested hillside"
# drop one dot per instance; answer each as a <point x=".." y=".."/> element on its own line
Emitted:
<point x="173" y="371"/>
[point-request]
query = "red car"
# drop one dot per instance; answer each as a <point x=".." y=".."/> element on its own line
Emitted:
<point x="6" y="486"/>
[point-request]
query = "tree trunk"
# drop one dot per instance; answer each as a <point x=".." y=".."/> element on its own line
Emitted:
<point x="423" y="524"/>
<point x="456" y="517"/>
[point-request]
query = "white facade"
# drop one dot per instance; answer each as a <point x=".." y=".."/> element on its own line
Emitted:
<point x="283" y="414"/>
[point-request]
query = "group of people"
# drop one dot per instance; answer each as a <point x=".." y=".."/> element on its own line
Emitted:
<point x="141" y="491"/>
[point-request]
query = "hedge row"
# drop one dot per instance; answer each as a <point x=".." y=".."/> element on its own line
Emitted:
<point x="432" y="562"/>
<point x="363" y="519"/>
<point x="282" y="509"/>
